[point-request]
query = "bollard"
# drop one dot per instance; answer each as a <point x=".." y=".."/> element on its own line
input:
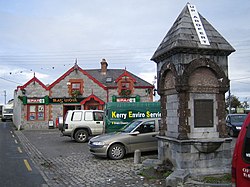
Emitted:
<point x="137" y="156"/>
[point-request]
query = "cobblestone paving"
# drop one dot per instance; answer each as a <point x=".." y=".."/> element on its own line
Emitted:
<point x="86" y="170"/>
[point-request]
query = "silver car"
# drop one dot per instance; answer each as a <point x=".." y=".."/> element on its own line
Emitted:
<point x="139" y="134"/>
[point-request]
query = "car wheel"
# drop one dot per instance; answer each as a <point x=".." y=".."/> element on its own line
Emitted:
<point x="116" y="151"/>
<point x="81" y="136"/>
<point x="231" y="132"/>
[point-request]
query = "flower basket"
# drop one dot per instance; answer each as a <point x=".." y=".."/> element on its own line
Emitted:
<point x="125" y="92"/>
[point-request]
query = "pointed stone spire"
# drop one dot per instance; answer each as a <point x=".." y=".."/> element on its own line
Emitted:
<point x="183" y="37"/>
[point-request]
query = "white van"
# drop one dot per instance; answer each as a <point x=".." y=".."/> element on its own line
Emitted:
<point x="80" y="124"/>
<point x="7" y="112"/>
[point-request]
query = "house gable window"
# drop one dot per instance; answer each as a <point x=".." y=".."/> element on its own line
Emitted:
<point x="75" y="87"/>
<point x="125" y="87"/>
<point x="125" y="83"/>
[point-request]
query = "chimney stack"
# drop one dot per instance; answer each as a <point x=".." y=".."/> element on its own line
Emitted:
<point x="104" y="66"/>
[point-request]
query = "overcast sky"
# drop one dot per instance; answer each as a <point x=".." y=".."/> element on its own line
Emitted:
<point x="46" y="36"/>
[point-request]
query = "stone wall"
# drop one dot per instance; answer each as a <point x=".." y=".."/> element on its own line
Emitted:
<point x="172" y="120"/>
<point x="89" y="87"/>
<point x="185" y="154"/>
<point x="144" y="96"/>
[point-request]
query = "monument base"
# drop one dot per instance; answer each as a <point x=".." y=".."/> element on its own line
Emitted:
<point x="198" y="157"/>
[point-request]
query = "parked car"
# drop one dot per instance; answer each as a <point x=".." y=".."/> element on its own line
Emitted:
<point x="80" y="124"/>
<point x="234" y="123"/>
<point x="138" y="134"/>
<point x="241" y="157"/>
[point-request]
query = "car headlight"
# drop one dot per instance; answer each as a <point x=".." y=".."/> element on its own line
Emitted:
<point x="98" y="143"/>
<point x="238" y="128"/>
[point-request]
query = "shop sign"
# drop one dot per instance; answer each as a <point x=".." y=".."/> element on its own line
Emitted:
<point x="65" y="100"/>
<point x="126" y="99"/>
<point x="131" y="100"/>
<point x="35" y="100"/>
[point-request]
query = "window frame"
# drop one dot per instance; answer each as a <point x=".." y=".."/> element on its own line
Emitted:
<point x="125" y="85"/>
<point x="146" y="125"/>
<point x="73" y="82"/>
<point x="36" y="113"/>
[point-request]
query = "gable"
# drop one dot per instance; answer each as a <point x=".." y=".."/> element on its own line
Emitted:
<point x="33" y="81"/>
<point x="76" y="68"/>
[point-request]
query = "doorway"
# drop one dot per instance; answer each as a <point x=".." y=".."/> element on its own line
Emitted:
<point x="70" y="107"/>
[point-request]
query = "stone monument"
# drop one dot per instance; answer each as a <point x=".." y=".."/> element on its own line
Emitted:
<point x="192" y="74"/>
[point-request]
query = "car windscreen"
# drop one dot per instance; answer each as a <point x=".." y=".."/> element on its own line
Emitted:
<point x="238" y="118"/>
<point x="8" y="111"/>
<point x="129" y="127"/>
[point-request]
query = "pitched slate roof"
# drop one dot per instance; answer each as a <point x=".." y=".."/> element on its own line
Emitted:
<point x="112" y="75"/>
<point x="97" y="76"/>
<point x="182" y="37"/>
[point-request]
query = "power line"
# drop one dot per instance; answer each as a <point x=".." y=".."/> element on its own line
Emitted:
<point x="10" y="80"/>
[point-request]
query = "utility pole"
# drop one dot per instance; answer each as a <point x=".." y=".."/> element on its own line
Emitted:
<point x="229" y="100"/>
<point x="5" y="96"/>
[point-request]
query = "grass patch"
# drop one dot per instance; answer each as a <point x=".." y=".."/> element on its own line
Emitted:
<point x="217" y="179"/>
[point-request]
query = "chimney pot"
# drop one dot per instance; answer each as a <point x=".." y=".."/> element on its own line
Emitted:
<point x="104" y="66"/>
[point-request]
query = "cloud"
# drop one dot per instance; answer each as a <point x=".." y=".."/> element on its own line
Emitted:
<point x="40" y="35"/>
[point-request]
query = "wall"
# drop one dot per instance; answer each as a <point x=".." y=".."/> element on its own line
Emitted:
<point x="17" y="110"/>
<point x="184" y="155"/>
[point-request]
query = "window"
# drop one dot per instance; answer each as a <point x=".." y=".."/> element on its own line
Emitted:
<point x="76" y="116"/>
<point x="147" y="127"/>
<point x="237" y="118"/>
<point x="125" y="85"/>
<point x="203" y="113"/>
<point x="89" y="116"/>
<point x="125" y="89"/>
<point x="109" y="79"/>
<point x="35" y="112"/>
<point x="75" y="87"/>
<point x="98" y="116"/>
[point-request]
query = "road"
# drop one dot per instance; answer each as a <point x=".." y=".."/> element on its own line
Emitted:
<point x="16" y="169"/>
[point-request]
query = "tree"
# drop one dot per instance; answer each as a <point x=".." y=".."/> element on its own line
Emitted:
<point x="245" y="104"/>
<point x="235" y="102"/>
